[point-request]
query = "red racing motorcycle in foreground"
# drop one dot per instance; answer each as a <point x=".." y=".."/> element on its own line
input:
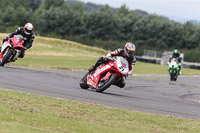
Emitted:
<point x="106" y="75"/>
<point x="11" y="49"/>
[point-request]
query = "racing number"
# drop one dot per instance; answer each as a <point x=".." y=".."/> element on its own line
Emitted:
<point x="121" y="68"/>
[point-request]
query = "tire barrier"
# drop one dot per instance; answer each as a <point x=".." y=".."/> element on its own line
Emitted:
<point x="159" y="61"/>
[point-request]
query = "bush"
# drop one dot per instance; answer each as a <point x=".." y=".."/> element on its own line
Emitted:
<point x="192" y="55"/>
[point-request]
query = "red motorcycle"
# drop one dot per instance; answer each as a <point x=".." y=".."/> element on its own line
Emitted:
<point x="106" y="75"/>
<point x="11" y="49"/>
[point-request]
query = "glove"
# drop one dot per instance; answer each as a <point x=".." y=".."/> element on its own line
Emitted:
<point x="5" y="39"/>
<point x="134" y="60"/>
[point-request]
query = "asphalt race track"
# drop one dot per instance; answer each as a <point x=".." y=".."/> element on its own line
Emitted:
<point x="151" y="94"/>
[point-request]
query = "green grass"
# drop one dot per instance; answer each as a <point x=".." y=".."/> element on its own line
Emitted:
<point x="28" y="113"/>
<point x="62" y="62"/>
<point x="63" y="54"/>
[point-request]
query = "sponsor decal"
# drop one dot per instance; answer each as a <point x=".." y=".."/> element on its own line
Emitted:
<point x="101" y="70"/>
<point x="90" y="82"/>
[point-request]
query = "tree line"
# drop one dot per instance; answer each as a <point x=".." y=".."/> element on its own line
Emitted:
<point x="104" y="27"/>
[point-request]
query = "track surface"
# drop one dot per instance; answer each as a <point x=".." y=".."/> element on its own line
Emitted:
<point x="151" y="94"/>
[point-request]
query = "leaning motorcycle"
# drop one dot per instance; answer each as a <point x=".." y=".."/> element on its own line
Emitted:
<point x="106" y="75"/>
<point x="173" y="69"/>
<point x="11" y="49"/>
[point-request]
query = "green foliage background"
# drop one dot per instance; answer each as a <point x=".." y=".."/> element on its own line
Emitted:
<point x="101" y="26"/>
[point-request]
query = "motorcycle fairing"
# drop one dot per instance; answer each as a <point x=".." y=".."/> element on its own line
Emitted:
<point x="173" y="69"/>
<point x="93" y="79"/>
<point x="122" y="65"/>
<point x="108" y="75"/>
<point x="15" y="43"/>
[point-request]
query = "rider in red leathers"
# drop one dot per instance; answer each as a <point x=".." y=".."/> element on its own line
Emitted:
<point x="127" y="52"/>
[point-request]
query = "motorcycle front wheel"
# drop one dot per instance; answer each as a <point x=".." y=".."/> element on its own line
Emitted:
<point x="103" y="85"/>
<point x="6" y="56"/>
<point x="173" y="78"/>
<point x="83" y="82"/>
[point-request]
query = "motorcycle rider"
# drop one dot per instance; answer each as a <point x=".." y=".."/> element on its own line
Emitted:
<point x="176" y="55"/>
<point x="127" y="52"/>
<point x="28" y="36"/>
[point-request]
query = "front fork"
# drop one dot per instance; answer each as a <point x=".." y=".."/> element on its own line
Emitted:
<point x="6" y="51"/>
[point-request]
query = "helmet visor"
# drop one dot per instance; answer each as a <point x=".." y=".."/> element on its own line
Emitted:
<point x="175" y="55"/>
<point x="130" y="53"/>
<point x="27" y="31"/>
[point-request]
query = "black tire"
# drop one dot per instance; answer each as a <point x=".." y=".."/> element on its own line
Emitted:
<point x="175" y="75"/>
<point x="107" y="84"/>
<point x="171" y="78"/>
<point x="83" y="82"/>
<point x="6" y="57"/>
<point x="120" y="83"/>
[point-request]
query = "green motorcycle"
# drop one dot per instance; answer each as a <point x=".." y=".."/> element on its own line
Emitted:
<point x="173" y="69"/>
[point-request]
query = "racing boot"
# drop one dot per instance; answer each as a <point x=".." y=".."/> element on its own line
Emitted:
<point x="98" y="63"/>
<point x="179" y="73"/>
<point x="120" y="83"/>
<point x="91" y="69"/>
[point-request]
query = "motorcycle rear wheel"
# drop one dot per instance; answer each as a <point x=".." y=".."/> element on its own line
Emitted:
<point x="107" y="83"/>
<point x="6" y="57"/>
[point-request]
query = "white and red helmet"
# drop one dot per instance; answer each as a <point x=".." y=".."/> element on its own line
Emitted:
<point x="28" y="28"/>
<point x="129" y="49"/>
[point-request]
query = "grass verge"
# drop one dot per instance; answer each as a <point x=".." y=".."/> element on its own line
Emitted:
<point x="24" y="113"/>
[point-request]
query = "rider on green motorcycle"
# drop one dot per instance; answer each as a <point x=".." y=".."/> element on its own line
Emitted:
<point x="176" y="54"/>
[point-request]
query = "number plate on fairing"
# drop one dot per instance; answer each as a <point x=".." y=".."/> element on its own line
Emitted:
<point x="122" y="65"/>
